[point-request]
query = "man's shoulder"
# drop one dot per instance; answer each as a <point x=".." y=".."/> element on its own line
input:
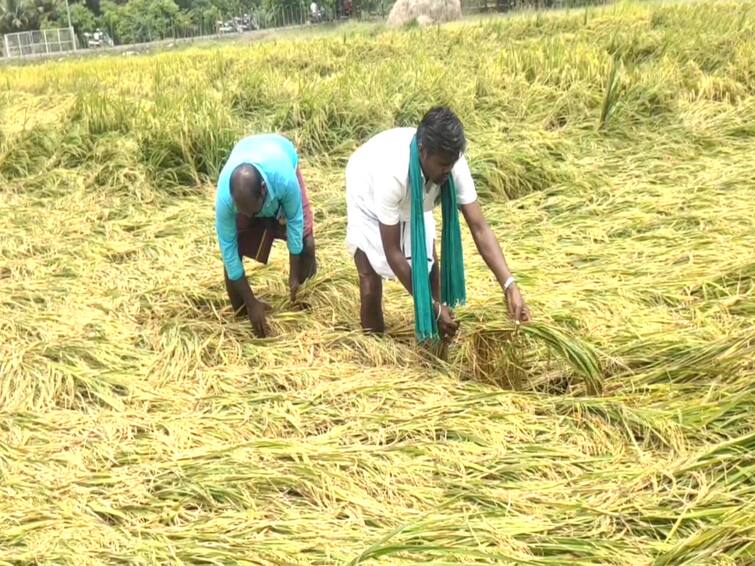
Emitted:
<point x="395" y="136"/>
<point x="224" y="209"/>
<point x="281" y="147"/>
<point x="269" y="151"/>
<point x="387" y="152"/>
<point x="261" y="142"/>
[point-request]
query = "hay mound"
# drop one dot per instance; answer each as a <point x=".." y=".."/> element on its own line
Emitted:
<point x="424" y="12"/>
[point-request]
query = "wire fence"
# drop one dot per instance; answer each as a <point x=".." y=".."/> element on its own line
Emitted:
<point x="305" y="12"/>
<point x="39" y="42"/>
<point x="482" y="6"/>
<point x="259" y="19"/>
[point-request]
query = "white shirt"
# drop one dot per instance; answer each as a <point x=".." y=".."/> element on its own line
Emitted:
<point x="313" y="7"/>
<point x="379" y="171"/>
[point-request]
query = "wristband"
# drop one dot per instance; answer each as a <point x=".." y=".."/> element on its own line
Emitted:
<point x="509" y="282"/>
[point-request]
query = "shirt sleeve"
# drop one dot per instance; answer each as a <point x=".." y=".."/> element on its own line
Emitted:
<point x="388" y="193"/>
<point x="225" y="226"/>
<point x="465" y="189"/>
<point x="292" y="208"/>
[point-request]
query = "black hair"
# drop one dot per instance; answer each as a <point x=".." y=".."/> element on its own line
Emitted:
<point x="441" y="131"/>
<point x="245" y="177"/>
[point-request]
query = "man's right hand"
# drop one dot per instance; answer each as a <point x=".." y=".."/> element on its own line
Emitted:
<point x="257" y="312"/>
<point x="447" y="325"/>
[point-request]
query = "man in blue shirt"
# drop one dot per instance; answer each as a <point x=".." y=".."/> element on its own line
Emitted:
<point x="261" y="196"/>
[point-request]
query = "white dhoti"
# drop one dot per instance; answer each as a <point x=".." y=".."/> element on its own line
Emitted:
<point x="363" y="231"/>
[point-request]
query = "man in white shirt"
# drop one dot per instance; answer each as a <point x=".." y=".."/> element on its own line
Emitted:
<point x="378" y="199"/>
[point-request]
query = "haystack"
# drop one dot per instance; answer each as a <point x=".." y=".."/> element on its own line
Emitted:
<point x="424" y="12"/>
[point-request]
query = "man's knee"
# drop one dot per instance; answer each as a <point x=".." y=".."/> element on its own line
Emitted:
<point x="371" y="295"/>
<point x="370" y="283"/>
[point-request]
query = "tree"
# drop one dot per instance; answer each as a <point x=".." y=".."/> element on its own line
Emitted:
<point x="18" y="15"/>
<point x="141" y="20"/>
<point x="82" y="19"/>
<point x="131" y="21"/>
<point x="203" y="15"/>
<point x="108" y="20"/>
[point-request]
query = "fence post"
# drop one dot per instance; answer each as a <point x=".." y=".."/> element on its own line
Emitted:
<point x="7" y="45"/>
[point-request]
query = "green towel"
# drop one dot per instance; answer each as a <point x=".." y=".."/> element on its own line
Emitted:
<point x="452" y="289"/>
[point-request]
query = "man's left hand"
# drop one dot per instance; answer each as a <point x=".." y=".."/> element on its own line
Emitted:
<point x="447" y="325"/>
<point x="293" y="285"/>
<point x="518" y="309"/>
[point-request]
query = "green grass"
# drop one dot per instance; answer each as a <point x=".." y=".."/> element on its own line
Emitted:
<point x="140" y="422"/>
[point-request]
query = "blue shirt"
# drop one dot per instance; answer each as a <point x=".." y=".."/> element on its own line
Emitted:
<point x="275" y="158"/>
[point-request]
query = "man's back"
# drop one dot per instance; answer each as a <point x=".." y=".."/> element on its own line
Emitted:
<point x="273" y="152"/>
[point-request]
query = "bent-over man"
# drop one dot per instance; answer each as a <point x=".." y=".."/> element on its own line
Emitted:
<point x="261" y="196"/>
<point x="393" y="182"/>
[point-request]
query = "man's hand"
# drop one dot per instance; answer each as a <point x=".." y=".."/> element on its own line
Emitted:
<point x="294" y="274"/>
<point x="518" y="310"/>
<point x="447" y="325"/>
<point x="293" y="285"/>
<point x="258" y="317"/>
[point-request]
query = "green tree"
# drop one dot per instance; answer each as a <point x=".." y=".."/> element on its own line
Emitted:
<point x="82" y="19"/>
<point x="292" y="11"/>
<point x="142" y="20"/>
<point x="109" y="17"/>
<point x="131" y="21"/>
<point x="18" y="15"/>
